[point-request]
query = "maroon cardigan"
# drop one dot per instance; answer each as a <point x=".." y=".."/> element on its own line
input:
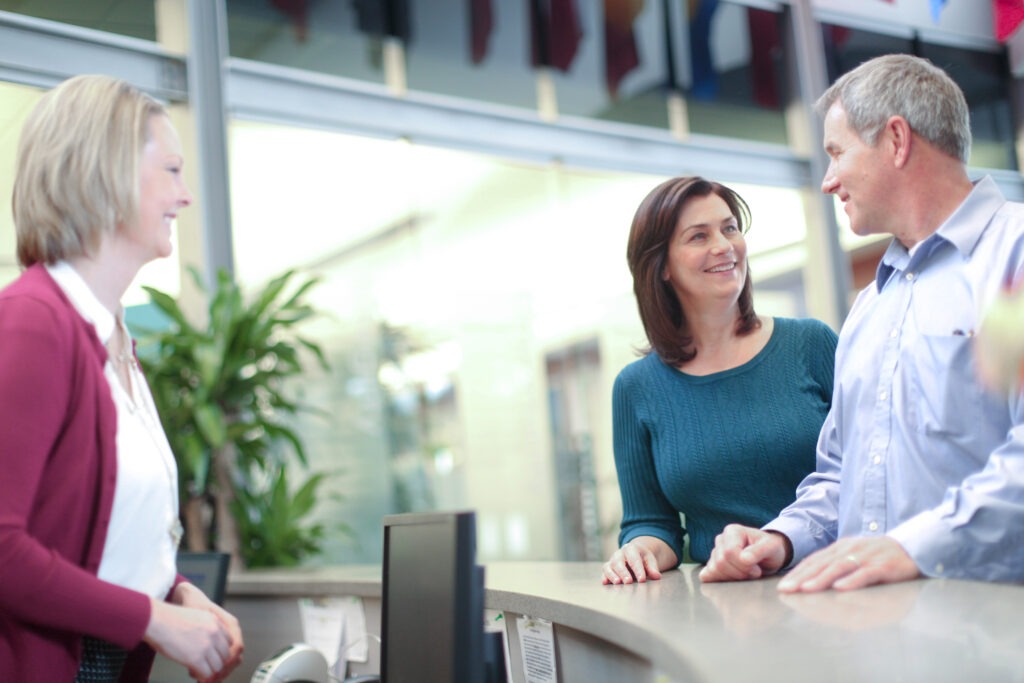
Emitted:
<point x="58" y="467"/>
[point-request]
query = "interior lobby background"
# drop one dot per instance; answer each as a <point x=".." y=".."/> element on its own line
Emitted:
<point x="462" y="175"/>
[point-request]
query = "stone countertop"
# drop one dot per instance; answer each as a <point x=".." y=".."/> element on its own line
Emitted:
<point x="929" y="629"/>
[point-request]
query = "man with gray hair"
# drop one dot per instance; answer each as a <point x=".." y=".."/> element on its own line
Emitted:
<point x="920" y="470"/>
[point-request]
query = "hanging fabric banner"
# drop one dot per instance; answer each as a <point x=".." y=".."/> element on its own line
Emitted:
<point x="937" y="6"/>
<point x="555" y="33"/>
<point x="620" y="51"/>
<point x="481" y="23"/>
<point x="1007" y="15"/>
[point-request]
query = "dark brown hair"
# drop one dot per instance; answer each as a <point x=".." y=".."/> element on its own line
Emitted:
<point x="654" y="224"/>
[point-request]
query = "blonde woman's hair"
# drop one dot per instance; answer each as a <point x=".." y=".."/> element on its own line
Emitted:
<point x="78" y="167"/>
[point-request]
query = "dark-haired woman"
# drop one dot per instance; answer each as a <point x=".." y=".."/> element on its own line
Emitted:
<point x="720" y="418"/>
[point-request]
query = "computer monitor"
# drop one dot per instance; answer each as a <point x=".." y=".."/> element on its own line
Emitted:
<point x="208" y="571"/>
<point x="433" y="600"/>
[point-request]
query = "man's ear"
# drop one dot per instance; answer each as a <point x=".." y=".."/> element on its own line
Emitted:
<point x="898" y="137"/>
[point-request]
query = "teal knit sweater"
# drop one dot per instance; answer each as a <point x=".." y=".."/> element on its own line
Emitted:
<point x="727" y="447"/>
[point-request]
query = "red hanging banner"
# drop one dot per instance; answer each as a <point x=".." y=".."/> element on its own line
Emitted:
<point x="1006" y="15"/>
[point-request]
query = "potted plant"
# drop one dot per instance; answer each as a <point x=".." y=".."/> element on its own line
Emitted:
<point x="220" y="390"/>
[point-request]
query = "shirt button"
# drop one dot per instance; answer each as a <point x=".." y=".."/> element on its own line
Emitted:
<point x="894" y="333"/>
<point x="939" y="568"/>
<point x="882" y="395"/>
<point x="878" y="459"/>
<point x="909" y="276"/>
<point x="873" y="526"/>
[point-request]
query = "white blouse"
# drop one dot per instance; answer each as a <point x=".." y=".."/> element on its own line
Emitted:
<point x="142" y="539"/>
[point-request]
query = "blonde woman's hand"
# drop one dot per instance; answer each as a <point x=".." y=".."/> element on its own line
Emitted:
<point x="188" y="595"/>
<point x="194" y="638"/>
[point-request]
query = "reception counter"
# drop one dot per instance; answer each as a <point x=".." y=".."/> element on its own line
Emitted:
<point x="677" y="629"/>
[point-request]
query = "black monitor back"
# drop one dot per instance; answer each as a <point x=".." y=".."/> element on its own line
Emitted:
<point x="432" y="617"/>
<point x="208" y="571"/>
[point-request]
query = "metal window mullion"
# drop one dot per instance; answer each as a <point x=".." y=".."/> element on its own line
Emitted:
<point x="828" y="265"/>
<point x="207" y="57"/>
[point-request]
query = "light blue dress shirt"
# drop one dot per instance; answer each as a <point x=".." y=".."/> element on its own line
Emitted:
<point x="914" y="447"/>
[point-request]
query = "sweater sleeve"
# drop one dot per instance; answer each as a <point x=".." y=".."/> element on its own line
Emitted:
<point x="38" y="584"/>
<point x="823" y="362"/>
<point x="645" y="509"/>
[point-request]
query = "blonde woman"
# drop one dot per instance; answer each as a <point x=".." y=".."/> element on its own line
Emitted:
<point x="88" y="497"/>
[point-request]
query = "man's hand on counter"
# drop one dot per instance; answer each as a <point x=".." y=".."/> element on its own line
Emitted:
<point x="743" y="553"/>
<point x="851" y="563"/>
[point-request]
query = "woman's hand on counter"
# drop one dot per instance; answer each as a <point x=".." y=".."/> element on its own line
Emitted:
<point x="639" y="560"/>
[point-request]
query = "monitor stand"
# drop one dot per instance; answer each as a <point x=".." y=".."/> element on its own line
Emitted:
<point x="494" y="662"/>
<point x="494" y="658"/>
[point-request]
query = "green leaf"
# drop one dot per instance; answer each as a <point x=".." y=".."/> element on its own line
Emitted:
<point x="168" y="306"/>
<point x="210" y="422"/>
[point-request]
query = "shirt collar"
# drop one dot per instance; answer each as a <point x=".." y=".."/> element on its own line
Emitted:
<point x="962" y="229"/>
<point x="83" y="299"/>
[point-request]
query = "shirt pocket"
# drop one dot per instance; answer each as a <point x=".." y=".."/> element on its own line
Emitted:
<point x="945" y="398"/>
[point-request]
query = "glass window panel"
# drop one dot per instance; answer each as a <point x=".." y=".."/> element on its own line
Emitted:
<point x="777" y="217"/>
<point x="16" y="101"/>
<point x="477" y="50"/>
<point x="619" y="72"/>
<point x="731" y="66"/>
<point x="983" y="76"/>
<point x="986" y="82"/>
<point x="725" y="58"/>
<point x="135" y="18"/>
<point x="327" y="37"/>
<point x="775" y="246"/>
